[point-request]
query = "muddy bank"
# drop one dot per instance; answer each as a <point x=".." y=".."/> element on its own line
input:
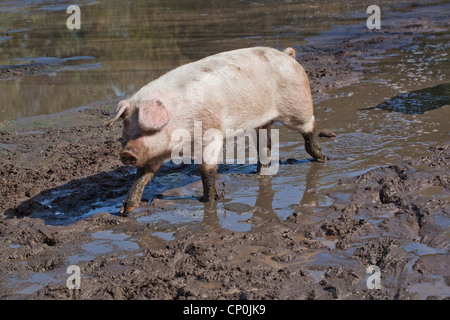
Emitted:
<point x="45" y="65"/>
<point x="61" y="184"/>
<point x="11" y="72"/>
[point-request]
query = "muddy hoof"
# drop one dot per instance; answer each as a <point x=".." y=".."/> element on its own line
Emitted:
<point x="206" y="199"/>
<point x="127" y="208"/>
<point x="321" y="160"/>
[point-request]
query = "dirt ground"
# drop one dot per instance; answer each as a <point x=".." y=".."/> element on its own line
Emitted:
<point x="316" y="253"/>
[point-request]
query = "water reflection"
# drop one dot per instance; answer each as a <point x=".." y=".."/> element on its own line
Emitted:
<point x="265" y="205"/>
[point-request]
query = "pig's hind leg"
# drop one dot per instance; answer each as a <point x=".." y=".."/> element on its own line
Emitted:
<point x="264" y="145"/>
<point x="313" y="147"/>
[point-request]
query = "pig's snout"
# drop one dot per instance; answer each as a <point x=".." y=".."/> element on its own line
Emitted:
<point x="128" y="158"/>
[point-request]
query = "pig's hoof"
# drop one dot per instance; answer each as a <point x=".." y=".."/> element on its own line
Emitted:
<point x="209" y="198"/>
<point x="126" y="209"/>
<point x="322" y="159"/>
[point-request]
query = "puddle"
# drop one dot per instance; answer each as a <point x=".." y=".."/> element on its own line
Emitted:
<point x="166" y="236"/>
<point x="436" y="284"/>
<point x="419" y="249"/>
<point x="30" y="132"/>
<point x="33" y="283"/>
<point x="106" y="242"/>
<point x="437" y="288"/>
<point x="318" y="275"/>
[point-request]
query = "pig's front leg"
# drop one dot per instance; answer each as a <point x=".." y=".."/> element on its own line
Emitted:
<point x="143" y="177"/>
<point x="211" y="151"/>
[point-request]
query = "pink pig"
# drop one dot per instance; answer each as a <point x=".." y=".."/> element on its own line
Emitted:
<point x="240" y="89"/>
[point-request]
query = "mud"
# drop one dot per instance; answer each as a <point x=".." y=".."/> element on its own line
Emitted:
<point x="44" y="65"/>
<point x="313" y="254"/>
<point x="61" y="185"/>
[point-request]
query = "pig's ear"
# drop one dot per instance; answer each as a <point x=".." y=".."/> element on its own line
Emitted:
<point x="153" y="115"/>
<point x="121" y="108"/>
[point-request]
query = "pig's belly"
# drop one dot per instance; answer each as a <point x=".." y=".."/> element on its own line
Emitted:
<point x="253" y="121"/>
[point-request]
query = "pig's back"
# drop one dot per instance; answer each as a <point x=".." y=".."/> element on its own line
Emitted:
<point x="243" y="88"/>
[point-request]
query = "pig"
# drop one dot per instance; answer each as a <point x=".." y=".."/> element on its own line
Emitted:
<point x="246" y="88"/>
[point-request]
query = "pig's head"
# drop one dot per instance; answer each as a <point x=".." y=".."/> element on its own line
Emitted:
<point x="142" y="123"/>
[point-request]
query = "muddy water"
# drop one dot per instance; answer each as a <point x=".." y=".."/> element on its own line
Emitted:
<point x="122" y="45"/>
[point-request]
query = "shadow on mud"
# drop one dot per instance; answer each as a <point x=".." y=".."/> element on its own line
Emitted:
<point x="419" y="101"/>
<point x="104" y="192"/>
<point x="76" y="199"/>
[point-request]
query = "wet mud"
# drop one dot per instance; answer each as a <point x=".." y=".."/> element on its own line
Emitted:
<point x="313" y="254"/>
<point x="45" y="65"/>
<point x="61" y="187"/>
